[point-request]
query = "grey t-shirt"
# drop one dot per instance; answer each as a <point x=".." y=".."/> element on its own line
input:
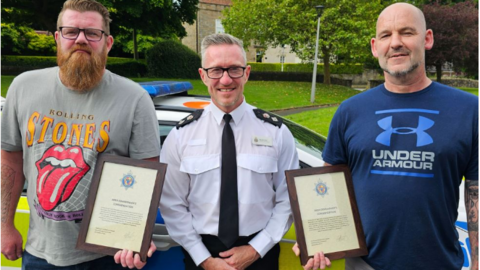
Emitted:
<point x="61" y="132"/>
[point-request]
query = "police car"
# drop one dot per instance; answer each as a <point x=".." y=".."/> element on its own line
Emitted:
<point x="172" y="103"/>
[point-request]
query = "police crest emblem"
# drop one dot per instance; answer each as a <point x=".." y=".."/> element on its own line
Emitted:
<point x="128" y="180"/>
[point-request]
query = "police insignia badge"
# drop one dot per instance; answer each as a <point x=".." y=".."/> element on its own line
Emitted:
<point x="189" y="119"/>
<point x="265" y="116"/>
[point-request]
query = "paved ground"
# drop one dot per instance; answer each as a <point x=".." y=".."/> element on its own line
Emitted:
<point x="301" y="109"/>
<point x="312" y="108"/>
<point x="359" y="87"/>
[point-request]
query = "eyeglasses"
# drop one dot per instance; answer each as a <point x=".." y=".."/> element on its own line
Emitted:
<point x="217" y="72"/>
<point x="91" y="34"/>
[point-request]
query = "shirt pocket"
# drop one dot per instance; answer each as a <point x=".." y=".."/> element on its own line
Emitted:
<point x="204" y="177"/>
<point x="255" y="182"/>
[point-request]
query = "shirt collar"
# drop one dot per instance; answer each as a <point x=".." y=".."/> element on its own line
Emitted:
<point x="236" y="114"/>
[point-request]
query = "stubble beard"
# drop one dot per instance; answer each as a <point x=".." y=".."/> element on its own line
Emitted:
<point x="401" y="73"/>
<point x="79" y="71"/>
<point x="230" y="104"/>
<point x="227" y="104"/>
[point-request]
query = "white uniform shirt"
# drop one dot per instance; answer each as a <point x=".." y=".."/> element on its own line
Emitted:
<point x="190" y="201"/>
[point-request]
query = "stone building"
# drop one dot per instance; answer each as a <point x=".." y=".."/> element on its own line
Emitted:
<point x="209" y="21"/>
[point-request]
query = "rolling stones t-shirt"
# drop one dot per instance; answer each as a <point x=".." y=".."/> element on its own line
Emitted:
<point x="61" y="132"/>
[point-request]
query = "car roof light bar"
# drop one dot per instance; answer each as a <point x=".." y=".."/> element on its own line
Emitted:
<point x="165" y="88"/>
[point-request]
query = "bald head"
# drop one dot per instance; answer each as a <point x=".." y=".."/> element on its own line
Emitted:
<point x="398" y="10"/>
<point x="400" y="43"/>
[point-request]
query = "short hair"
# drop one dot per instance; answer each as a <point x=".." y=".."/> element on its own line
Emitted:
<point x="219" y="39"/>
<point x="86" y="5"/>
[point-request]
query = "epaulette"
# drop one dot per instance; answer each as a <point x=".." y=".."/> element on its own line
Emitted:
<point x="189" y="119"/>
<point x="267" y="117"/>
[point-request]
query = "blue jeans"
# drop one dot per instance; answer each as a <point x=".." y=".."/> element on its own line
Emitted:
<point x="30" y="262"/>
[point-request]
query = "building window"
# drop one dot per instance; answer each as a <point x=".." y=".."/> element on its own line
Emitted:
<point x="219" y="27"/>
<point x="259" y="56"/>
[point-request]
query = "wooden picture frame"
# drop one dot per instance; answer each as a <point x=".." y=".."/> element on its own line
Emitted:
<point x="122" y="205"/>
<point x="325" y="212"/>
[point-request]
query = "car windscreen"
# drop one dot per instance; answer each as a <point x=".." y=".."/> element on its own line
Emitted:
<point x="305" y="139"/>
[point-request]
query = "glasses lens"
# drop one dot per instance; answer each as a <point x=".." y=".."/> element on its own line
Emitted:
<point x="70" y="32"/>
<point x="93" y="34"/>
<point x="215" y="73"/>
<point x="235" y="72"/>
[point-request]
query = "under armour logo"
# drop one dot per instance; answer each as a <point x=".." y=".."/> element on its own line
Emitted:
<point x="423" y="138"/>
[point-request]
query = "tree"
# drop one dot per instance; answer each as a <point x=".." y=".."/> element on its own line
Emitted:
<point x="24" y="40"/>
<point x="124" y="45"/>
<point x="39" y="15"/>
<point x="157" y="18"/>
<point x="346" y="27"/>
<point x="455" y="30"/>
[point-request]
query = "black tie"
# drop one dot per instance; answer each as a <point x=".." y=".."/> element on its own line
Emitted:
<point x="228" y="223"/>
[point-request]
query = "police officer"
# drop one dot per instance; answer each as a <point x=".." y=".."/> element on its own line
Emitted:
<point x="225" y="198"/>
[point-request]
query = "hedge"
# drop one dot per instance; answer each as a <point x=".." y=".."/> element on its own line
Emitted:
<point x="168" y="59"/>
<point x="35" y="62"/>
<point x="172" y="59"/>
<point x="289" y="67"/>
<point x="14" y="65"/>
<point x="294" y="76"/>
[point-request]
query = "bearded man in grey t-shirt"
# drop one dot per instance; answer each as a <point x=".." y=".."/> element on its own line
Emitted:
<point x="55" y="123"/>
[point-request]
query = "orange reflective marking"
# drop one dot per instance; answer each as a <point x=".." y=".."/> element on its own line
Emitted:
<point x="196" y="104"/>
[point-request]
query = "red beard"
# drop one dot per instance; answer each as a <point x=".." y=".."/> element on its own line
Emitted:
<point x="81" y="71"/>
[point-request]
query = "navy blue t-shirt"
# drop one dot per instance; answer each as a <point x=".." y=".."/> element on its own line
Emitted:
<point x="408" y="154"/>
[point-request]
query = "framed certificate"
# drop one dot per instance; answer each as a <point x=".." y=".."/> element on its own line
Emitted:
<point x="325" y="212"/>
<point x="122" y="205"/>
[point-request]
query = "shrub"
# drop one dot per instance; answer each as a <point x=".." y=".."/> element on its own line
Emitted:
<point x="129" y="68"/>
<point x="266" y="66"/>
<point x="41" y="44"/>
<point x="11" y="39"/>
<point x="171" y="59"/>
<point x="24" y="40"/>
<point x="14" y="65"/>
<point x="34" y="62"/>
<point x="294" y="77"/>
<point x="308" y="68"/>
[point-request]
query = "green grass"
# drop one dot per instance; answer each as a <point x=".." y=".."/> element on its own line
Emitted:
<point x="317" y="120"/>
<point x="279" y="95"/>
<point x="6" y="81"/>
<point x="470" y="90"/>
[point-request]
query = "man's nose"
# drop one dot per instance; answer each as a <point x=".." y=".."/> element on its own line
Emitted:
<point x="82" y="39"/>
<point x="225" y="79"/>
<point x="396" y="41"/>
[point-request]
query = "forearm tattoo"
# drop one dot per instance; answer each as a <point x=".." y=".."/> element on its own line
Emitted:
<point x="471" y="203"/>
<point x="8" y="180"/>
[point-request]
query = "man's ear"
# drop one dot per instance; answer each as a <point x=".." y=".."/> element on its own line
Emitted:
<point x="56" y="36"/>
<point x="429" y="39"/>
<point x="203" y="75"/>
<point x="109" y="42"/>
<point x="374" y="50"/>
<point x="247" y="72"/>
